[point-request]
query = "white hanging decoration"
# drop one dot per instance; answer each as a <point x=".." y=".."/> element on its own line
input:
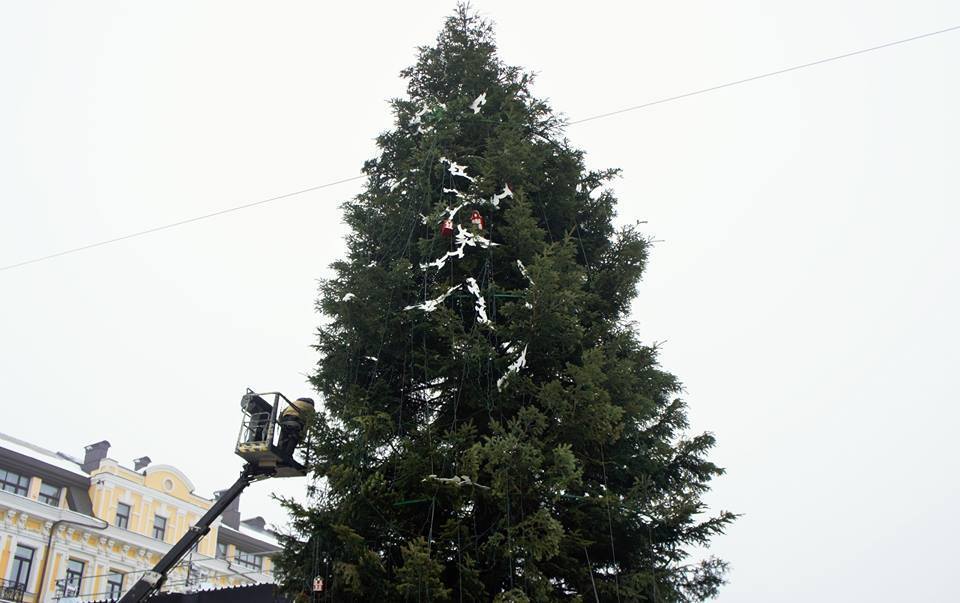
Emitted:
<point x="465" y="237"/>
<point x="497" y="197"/>
<point x="432" y="304"/>
<point x="517" y="364"/>
<point x="418" y="118"/>
<point x="453" y="212"/>
<point x="481" y="306"/>
<point x="373" y="358"/>
<point x="440" y="261"/>
<point x="523" y="271"/>
<point x="393" y="184"/>
<point x="456" y="169"/>
<point x="456" y="481"/>
<point x="478" y="102"/>
<point x="347" y="297"/>
<point x="455" y="192"/>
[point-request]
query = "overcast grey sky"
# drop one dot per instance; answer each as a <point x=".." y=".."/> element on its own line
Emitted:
<point x="806" y="283"/>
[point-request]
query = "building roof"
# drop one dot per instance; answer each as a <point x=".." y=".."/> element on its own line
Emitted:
<point x="19" y="455"/>
<point x="264" y="534"/>
<point x="57" y="459"/>
<point x="249" y="537"/>
<point x="55" y="467"/>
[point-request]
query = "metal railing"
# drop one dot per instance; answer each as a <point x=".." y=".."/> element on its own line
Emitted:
<point x="73" y="590"/>
<point x="12" y="591"/>
<point x="98" y="587"/>
<point x="67" y="588"/>
<point x="256" y="432"/>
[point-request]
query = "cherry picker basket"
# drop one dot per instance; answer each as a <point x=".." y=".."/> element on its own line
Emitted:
<point x="271" y="430"/>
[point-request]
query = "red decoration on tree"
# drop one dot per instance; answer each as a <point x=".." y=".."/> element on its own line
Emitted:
<point x="446" y="228"/>
<point x="476" y="219"/>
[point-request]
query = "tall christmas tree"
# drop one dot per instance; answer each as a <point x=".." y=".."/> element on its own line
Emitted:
<point x="492" y="428"/>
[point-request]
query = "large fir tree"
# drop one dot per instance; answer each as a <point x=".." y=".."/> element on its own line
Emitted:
<point x="492" y="427"/>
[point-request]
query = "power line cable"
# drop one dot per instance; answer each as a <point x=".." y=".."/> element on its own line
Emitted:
<point x="569" y="123"/>
<point x="179" y="223"/>
<point x="761" y="76"/>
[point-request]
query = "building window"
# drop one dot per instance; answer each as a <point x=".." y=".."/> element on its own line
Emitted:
<point x="14" y="482"/>
<point x="49" y="494"/>
<point x="114" y="584"/>
<point x="221" y="551"/>
<point x="249" y="560"/>
<point x="123" y="516"/>
<point x="159" y="527"/>
<point x="71" y="582"/>
<point x="22" y="565"/>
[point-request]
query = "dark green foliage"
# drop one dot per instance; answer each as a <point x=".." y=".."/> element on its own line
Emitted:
<point x="439" y="475"/>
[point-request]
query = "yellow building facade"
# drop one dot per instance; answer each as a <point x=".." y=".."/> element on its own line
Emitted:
<point x="84" y="530"/>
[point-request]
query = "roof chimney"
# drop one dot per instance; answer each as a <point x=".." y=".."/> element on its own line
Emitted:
<point x="93" y="454"/>
<point x="140" y="463"/>
<point x="231" y="515"/>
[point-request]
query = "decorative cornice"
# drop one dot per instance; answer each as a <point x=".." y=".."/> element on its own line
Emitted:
<point x="149" y="494"/>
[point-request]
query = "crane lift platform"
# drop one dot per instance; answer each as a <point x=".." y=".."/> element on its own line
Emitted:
<point x="272" y="430"/>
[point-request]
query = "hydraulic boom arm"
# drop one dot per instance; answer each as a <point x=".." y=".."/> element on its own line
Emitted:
<point x="152" y="580"/>
<point x="269" y="436"/>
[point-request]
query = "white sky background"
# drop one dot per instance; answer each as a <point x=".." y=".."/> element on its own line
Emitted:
<point x="806" y="282"/>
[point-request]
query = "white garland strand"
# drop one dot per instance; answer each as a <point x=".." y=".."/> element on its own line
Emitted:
<point x="464" y="239"/>
<point x="515" y="367"/>
<point x="456" y="481"/>
<point x="452" y="212"/>
<point x="456" y="169"/>
<point x="416" y="119"/>
<point x="497" y="197"/>
<point x="523" y="271"/>
<point x="432" y="304"/>
<point x="481" y="305"/>
<point x="440" y="261"/>
<point x="478" y="102"/>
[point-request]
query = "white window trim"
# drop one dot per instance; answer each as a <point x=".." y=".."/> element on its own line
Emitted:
<point x="37" y="546"/>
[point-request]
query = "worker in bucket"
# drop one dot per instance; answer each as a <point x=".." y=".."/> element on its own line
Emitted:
<point x="293" y="424"/>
